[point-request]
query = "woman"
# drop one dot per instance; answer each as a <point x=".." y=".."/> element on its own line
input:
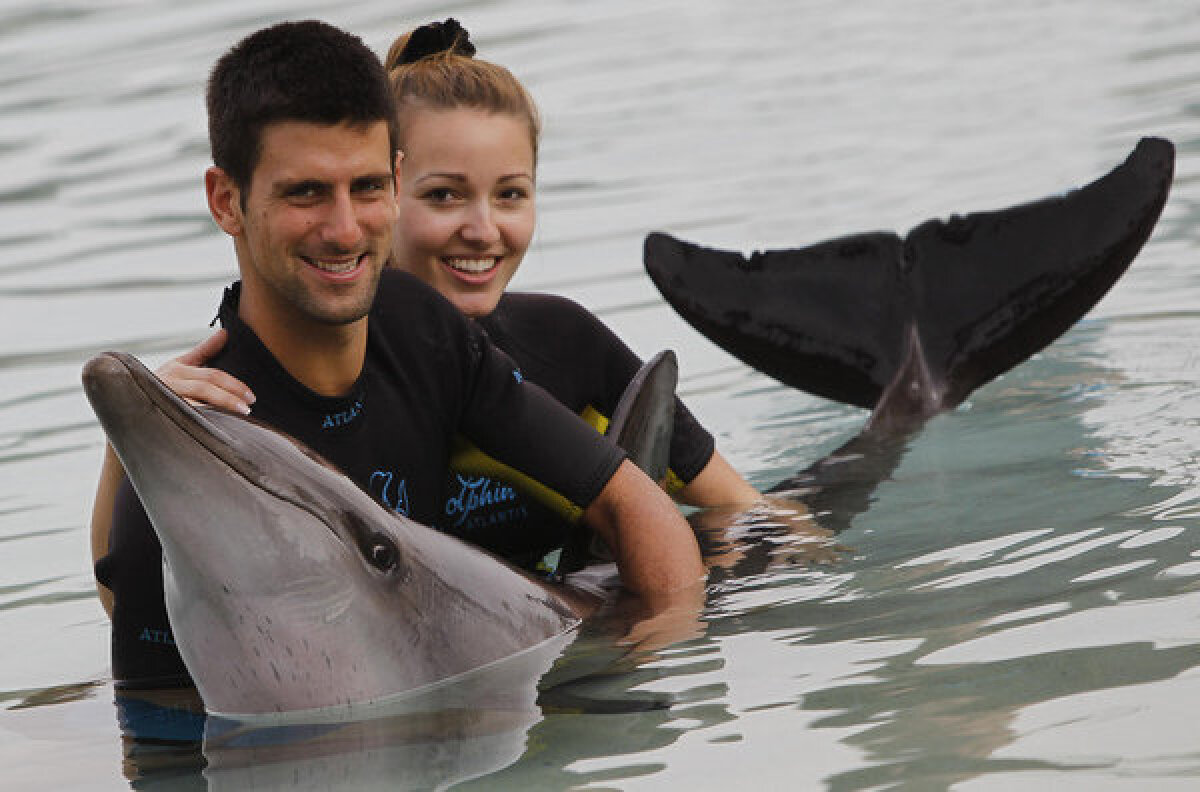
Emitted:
<point x="469" y="134"/>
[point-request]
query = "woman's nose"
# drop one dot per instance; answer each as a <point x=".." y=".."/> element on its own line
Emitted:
<point x="480" y="224"/>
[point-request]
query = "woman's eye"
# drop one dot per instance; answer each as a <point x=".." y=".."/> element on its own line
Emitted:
<point x="439" y="195"/>
<point x="514" y="194"/>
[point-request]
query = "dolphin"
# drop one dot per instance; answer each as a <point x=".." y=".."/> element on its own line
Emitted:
<point x="644" y="417"/>
<point x="909" y="326"/>
<point x="642" y="425"/>
<point x="289" y="589"/>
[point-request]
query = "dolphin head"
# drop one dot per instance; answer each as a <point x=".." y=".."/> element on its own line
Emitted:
<point x="289" y="588"/>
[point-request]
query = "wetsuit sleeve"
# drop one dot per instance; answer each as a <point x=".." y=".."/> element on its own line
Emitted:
<point x="480" y="393"/>
<point x="143" y="648"/>
<point x="520" y="424"/>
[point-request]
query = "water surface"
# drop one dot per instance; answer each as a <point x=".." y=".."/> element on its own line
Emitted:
<point x="1019" y="605"/>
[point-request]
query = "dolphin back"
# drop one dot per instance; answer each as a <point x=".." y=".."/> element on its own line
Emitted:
<point x="975" y="294"/>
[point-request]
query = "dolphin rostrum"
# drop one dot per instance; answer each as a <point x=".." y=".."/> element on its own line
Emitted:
<point x="288" y="588"/>
<point x="910" y="326"/>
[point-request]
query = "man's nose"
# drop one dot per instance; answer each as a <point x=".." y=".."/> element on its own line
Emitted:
<point x="342" y="227"/>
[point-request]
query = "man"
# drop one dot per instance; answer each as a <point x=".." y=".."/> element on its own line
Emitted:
<point x="376" y="372"/>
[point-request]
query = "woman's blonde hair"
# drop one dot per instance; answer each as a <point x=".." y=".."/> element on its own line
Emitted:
<point x="432" y="67"/>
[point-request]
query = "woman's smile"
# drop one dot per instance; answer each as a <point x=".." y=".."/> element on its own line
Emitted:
<point x="466" y="203"/>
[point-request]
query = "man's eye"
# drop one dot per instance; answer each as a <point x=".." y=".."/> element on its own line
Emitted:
<point x="371" y="185"/>
<point x="303" y="192"/>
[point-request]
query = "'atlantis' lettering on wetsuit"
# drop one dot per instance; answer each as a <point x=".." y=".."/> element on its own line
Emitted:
<point x="477" y="493"/>
<point x="334" y="420"/>
<point x="156" y="636"/>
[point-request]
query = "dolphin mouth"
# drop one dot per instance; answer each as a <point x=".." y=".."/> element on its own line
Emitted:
<point x="118" y="371"/>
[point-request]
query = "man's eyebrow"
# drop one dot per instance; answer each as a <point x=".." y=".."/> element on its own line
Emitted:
<point x="288" y="185"/>
<point x="383" y="174"/>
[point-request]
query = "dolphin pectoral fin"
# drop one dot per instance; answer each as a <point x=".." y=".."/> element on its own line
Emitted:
<point x="642" y="424"/>
<point x="644" y="418"/>
<point x="982" y="292"/>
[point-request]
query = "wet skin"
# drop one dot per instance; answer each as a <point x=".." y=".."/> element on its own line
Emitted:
<point x="466" y="203"/>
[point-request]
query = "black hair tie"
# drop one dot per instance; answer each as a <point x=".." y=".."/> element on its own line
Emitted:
<point x="448" y="36"/>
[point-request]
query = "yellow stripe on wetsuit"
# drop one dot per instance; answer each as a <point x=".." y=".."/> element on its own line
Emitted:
<point x="465" y="458"/>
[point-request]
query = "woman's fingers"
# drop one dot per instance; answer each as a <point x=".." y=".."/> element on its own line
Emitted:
<point x="189" y="379"/>
<point x="203" y="352"/>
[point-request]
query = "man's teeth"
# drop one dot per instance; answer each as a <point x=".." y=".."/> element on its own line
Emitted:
<point x="473" y="266"/>
<point x="336" y="267"/>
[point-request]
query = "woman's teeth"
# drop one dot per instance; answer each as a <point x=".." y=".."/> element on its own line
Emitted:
<point x="473" y="266"/>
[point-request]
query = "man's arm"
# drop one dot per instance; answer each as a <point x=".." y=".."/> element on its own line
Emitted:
<point x="655" y="549"/>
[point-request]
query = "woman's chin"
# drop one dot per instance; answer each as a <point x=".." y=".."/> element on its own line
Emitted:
<point x="475" y="306"/>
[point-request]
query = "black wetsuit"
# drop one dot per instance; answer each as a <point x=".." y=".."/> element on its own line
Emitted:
<point x="565" y="349"/>
<point x="429" y="374"/>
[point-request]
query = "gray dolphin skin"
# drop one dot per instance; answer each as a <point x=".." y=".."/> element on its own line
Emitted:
<point x="643" y="420"/>
<point x="288" y="588"/>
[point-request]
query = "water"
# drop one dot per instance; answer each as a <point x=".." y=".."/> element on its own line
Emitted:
<point x="1017" y="608"/>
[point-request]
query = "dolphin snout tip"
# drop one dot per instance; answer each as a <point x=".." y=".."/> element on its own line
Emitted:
<point x="101" y="368"/>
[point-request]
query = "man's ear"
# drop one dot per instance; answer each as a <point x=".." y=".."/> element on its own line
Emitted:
<point x="224" y="200"/>
<point x="396" y="170"/>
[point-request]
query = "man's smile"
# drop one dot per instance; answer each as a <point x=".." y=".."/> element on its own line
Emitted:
<point x="341" y="266"/>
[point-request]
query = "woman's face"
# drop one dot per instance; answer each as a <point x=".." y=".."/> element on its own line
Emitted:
<point x="466" y="199"/>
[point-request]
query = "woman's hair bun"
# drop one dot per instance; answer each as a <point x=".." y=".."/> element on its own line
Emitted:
<point x="435" y="38"/>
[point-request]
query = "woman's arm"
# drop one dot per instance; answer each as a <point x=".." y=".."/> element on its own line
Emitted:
<point x="718" y="484"/>
<point x="111" y="473"/>
<point x="216" y="388"/>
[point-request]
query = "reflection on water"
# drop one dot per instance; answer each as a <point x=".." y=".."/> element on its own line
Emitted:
<point x="1015" y="606"/>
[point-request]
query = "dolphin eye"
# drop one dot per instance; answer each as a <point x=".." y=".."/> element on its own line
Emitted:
<point x="381" y="553"/>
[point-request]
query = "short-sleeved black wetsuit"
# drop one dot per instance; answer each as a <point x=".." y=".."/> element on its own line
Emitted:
<point x="565" y="349"/>
<point x="429" y="374"/>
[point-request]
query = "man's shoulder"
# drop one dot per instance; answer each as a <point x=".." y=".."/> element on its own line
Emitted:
<point x="408" y="314"/>
<point x="399" y="289"/>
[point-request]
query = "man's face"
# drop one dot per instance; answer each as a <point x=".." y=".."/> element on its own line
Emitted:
<point x="315" y="226"/>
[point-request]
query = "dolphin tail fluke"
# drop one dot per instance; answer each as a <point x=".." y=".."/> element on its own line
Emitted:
<point x="964" y="299"/>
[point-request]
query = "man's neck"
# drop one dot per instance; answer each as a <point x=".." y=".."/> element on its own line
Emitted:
<point x="325" y="358"/>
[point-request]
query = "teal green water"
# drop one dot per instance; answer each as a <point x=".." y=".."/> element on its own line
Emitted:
<point x="1017" y="609"/>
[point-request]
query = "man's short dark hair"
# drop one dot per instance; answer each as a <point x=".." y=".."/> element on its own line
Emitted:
<point x="294" y="71"/>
